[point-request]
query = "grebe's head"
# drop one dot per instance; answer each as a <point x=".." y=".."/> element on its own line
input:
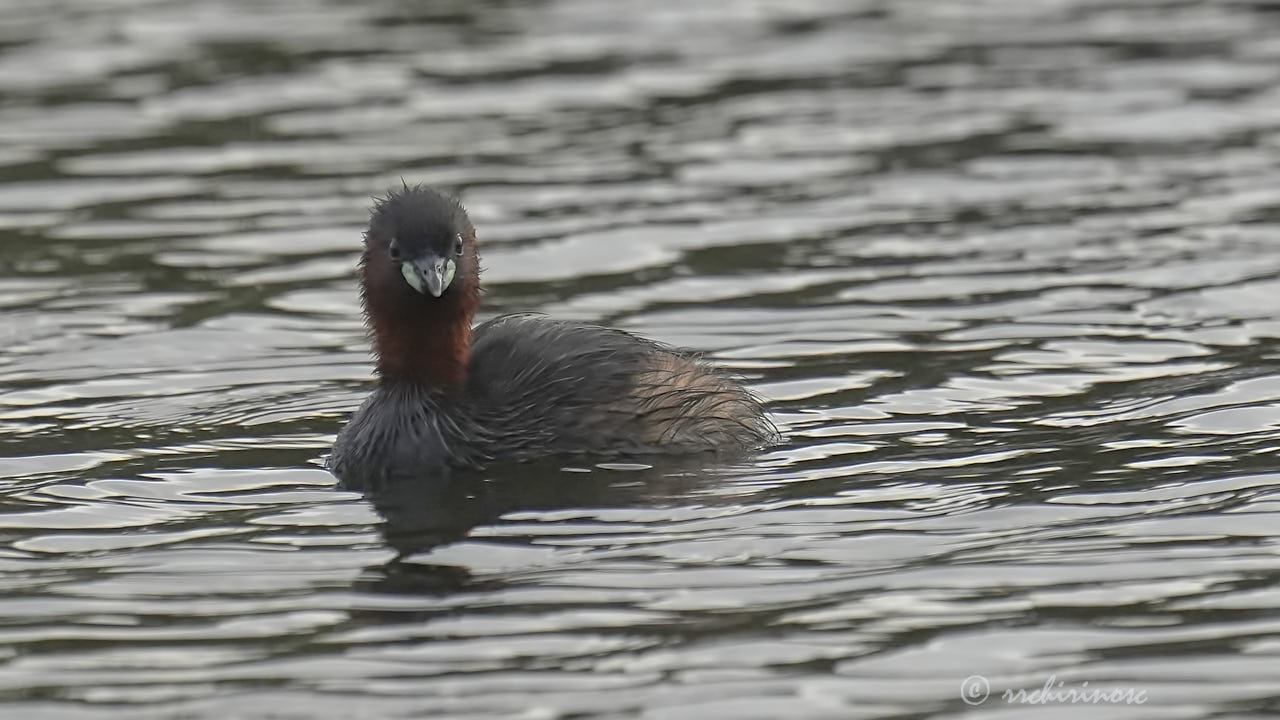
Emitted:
<point x="419" y="240"/>
<point x="420" y="285"/>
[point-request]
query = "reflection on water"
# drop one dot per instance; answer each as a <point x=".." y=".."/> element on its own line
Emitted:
<point x="1006" y="272"/>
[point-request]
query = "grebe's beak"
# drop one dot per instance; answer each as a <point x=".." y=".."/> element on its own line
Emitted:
<point x="429" y="274"/>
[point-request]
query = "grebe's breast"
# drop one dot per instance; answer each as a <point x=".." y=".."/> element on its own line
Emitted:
<point x="403" y="432"/>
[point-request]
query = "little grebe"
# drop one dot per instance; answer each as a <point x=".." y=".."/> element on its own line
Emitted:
<point x="518" y="386"/>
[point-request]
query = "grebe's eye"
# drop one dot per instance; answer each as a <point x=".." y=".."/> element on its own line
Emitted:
<point x="457" y="245"/>
<point x="394" y="252"/>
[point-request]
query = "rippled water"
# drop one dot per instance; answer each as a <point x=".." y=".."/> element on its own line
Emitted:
<point x="1007" y="271"/>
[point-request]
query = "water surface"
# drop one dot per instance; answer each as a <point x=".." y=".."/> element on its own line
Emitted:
<point x="1006" y="271"/>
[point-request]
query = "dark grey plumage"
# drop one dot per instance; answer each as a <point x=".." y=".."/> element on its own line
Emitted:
<point x="538" y="387"/>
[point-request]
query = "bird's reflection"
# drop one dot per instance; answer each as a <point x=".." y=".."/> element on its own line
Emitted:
<point x="420" y="514"/>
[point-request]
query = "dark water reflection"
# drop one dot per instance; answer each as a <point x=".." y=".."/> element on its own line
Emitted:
<point x="1006" y="272"/>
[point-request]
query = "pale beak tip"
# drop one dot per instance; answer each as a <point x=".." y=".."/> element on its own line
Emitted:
<point x="429" y="278"/>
